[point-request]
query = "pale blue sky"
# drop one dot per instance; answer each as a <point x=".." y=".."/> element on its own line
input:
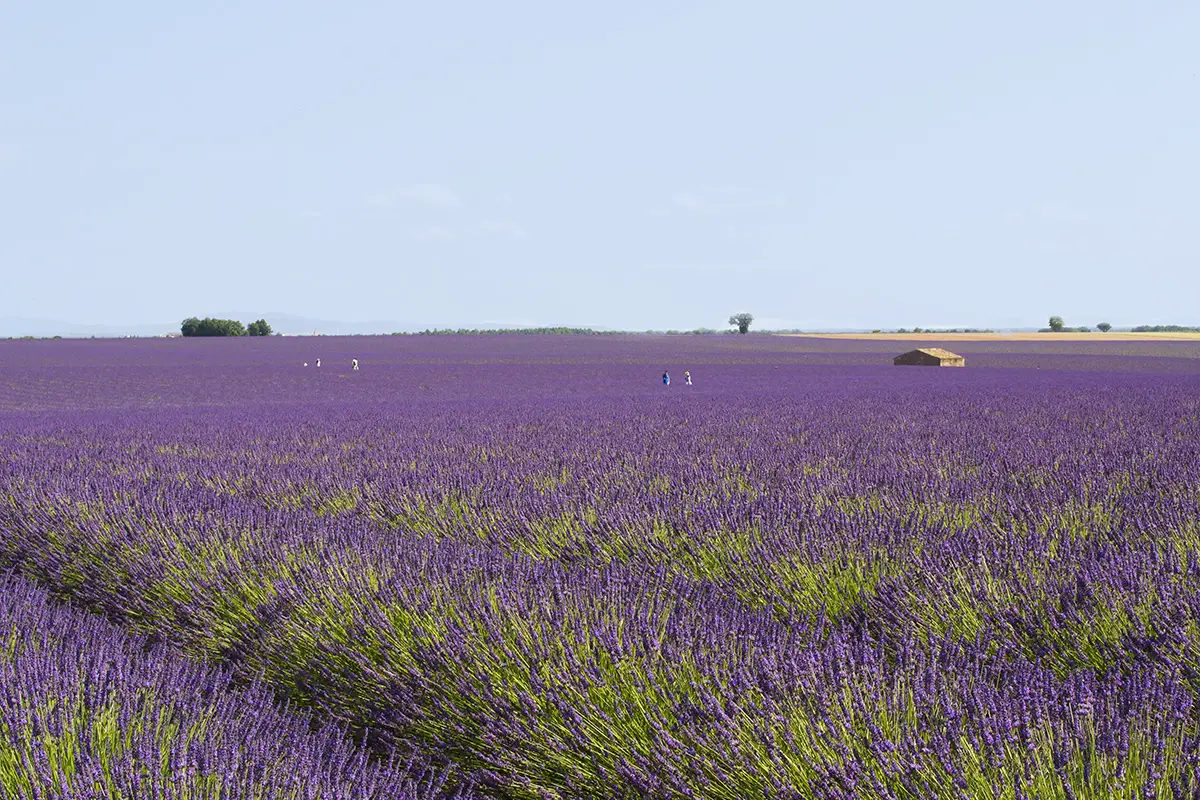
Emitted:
<point x="627" y="164"/>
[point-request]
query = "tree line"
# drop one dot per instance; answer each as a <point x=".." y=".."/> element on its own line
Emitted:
<point x="1058" y="326"/>
<point x="194" y="326"/>
<point x="209" y="326"/>
<point x="1166" y="329"/>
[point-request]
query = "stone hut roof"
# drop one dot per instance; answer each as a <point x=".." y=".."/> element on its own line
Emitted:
<point x="930" y="356"/>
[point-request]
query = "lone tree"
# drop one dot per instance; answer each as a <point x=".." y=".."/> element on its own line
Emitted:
<point x="258" y="328"/>
<point x="212" y="327"/>
<point x="1056" y="324"/>
<point x="1104" y="327"/>
<point x="742" y="321"/>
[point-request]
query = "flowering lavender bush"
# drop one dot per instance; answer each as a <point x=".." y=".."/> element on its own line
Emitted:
<point x="87" y="711"/>
<point x="805" y="576"/>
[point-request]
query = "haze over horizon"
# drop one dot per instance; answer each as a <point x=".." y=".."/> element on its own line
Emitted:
<point x="291" y="324"/>
<point x="631" y="166"/>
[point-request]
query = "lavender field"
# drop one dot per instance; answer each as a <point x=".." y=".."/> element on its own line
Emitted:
<point x="521" y="567"/>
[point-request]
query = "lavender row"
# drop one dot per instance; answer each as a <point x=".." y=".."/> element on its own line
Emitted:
<point x="87" y="711"/>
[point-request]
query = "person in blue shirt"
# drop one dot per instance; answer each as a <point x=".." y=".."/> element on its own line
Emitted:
<point x="666" y="379"/>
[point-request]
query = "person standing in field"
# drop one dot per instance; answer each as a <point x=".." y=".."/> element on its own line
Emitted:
<point x="687" y="378"/>
<point x="318" y="362"/>
<point x="354" y="364"/>
<point x="666" y="379"/>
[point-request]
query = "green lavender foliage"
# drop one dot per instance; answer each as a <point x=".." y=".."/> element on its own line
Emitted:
<point x="88" y="711"/>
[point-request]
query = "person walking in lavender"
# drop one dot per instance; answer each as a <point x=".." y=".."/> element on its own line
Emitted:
<point x="687" y="379"/>
<point x="354" y="364"/>
<point x="666" y="379"/>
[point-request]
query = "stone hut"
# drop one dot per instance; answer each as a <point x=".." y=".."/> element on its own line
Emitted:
<point x="929" y="357"/>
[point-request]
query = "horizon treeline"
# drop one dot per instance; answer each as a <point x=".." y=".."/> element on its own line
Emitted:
<point x="1166" y="329"/>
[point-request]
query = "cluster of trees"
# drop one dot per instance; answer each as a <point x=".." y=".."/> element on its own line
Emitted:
<point x="194" y="326"/>
<point x="1058" y="326"/>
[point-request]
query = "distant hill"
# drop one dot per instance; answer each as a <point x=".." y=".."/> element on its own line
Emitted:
<point x="26" y="326"/>
<point x="291" y="324"/>
<point x="296" y="324"/>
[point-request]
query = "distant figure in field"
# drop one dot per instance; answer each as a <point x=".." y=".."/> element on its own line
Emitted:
<point x="354" y="364"/>
<point x="687" y="378"/>
<point x="666" y="379"/>
<point x="318" y="362"/>
<point x="306" y="363"/>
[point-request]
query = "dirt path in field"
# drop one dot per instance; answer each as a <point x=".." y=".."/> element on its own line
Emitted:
<point x="1009" y="337"/>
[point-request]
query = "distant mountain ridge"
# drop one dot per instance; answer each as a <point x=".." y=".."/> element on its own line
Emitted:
<point x="281" y="323"/>
<point x="288" y="324"/>
<point x="295" y="324"/>
<point x="27" y="326"/>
